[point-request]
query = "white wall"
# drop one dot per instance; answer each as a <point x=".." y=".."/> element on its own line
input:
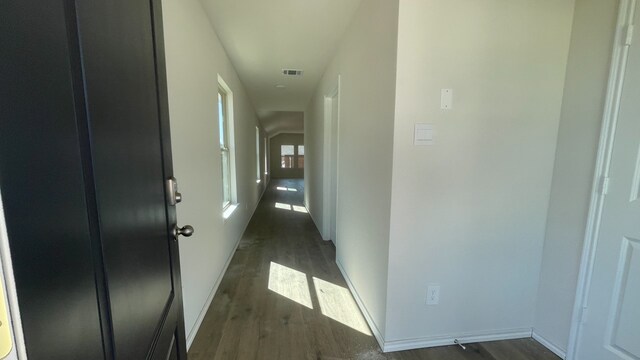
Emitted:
<point x="469" y="212"/>
<point x="584" y="94"/>
<point x="195" y="57"/>
<point x="366" y="61"/>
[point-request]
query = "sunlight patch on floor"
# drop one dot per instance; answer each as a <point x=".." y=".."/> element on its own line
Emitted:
<point x="290" y="283"/>
<point x="337" y="303"/>
<point x="282" y="188"/>
<point x="296" y="208"/>
<point x="301" y="209"/>
<point x="283" y="206"/>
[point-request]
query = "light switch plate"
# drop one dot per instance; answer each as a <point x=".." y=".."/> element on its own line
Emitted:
<point x="446" y="99"/>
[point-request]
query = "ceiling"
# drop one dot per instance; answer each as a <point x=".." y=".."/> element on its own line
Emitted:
<point x="262" y="37"/>
<point x="275" y="122"/>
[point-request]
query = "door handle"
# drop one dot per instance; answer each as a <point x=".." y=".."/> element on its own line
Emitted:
<point x="185" y="231"/>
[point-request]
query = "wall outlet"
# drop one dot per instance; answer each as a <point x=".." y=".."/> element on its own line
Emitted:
<point x="433" y="294"/>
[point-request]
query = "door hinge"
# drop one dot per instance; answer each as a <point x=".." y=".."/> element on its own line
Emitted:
<point x="628" y="40"/>
<point x="604" y="185"/>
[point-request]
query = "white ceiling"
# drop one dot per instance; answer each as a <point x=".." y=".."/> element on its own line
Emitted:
<point x="262" y="37"/>
<point x="275" y="122"/>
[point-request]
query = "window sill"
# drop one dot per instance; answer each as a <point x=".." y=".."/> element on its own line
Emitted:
<point x="226" y="213"/>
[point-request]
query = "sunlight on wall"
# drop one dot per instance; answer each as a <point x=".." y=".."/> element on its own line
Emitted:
<point x="290" y="283"/>
<point x="337" y="303"/>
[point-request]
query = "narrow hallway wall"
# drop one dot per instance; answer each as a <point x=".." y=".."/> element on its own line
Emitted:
<point x="194" y="58"/>
<point x="366" y="62"/>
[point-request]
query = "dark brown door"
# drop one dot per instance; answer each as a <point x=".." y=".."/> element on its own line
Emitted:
<point x="126" y="102"/>
<point x="85" y="158"/>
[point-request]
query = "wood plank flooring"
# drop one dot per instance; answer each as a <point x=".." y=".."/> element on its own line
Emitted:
<point x="268" y="305"/>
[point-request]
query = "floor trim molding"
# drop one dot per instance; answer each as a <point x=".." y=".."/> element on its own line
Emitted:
<point x="549" y="345"/>
<point x="212" y="294"/>
<point x="372" y="325"/>
<point x="433" y="341"/>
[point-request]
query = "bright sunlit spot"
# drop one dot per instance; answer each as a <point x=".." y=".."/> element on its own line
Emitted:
<point x="337" y="303"/>
<point x="290" y="283"/>
<point x="282" y="188"/>
<point x="297" y="208"/>
<point x="283" y="206"/>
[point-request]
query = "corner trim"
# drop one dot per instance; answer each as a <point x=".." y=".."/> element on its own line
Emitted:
<point x="372" y="325"/>
<point x="548" y="344"/>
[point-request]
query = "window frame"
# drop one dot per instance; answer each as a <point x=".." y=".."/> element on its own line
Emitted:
<point x="258" y="172"/>
<point x="294" y="157"/>
<point x="226" y="137"/>
<point x="292" y="162"/>
<point x="297" y="157"/>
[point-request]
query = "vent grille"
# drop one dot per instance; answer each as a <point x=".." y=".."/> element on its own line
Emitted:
<point x="292" y="72"/>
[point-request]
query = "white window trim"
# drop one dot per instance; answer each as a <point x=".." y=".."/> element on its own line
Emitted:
<point x="229" y="207"/>
<point x="258" y="172"/>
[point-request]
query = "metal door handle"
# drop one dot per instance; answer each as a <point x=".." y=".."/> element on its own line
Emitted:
<point x="185" y="231"/>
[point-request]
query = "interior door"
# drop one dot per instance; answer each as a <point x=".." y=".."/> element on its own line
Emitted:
<point x="44" y="191"/>
<point x="125" y="90"/>
<point x="612" y="324"/>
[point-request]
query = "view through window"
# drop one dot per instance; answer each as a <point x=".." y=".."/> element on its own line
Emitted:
<point x="292" y="156"/>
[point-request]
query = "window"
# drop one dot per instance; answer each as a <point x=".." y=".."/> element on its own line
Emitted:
<point x="258" y="177"/>
<point x="266" y="152"/>
<point x="300" y="160"/>
<point x="292" y="156"/>
<point x="225" y="124"/>
<point x="287" y="154"/>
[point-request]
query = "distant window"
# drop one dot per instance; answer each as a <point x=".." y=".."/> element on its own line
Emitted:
<point x="266" y="152"/>
<point x="292" y="156"/>
<point x="258" y="175"/>
<point x="287" y="155"/>
<point x="300" y="161"/>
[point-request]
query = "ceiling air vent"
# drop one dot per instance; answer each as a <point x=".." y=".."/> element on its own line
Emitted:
<point x="292" y="72"/>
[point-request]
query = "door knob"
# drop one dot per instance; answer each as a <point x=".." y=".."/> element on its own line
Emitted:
<point x="185" y="231"/>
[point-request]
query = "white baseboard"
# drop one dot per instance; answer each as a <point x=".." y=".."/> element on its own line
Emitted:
<point x="432" y="341"/>
<point x="549" y="345"/>
<point x="372" y="325"/>
<point x="194" y="331"/>
<point x="315" y="223"/>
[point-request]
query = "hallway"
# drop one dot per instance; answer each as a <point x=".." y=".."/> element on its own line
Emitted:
<point x="283" y="297"/>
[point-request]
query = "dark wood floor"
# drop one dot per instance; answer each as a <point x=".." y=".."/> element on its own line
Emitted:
<point x="280" y="257"/>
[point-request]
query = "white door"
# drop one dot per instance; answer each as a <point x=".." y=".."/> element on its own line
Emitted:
<point x="611" y="327"/>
